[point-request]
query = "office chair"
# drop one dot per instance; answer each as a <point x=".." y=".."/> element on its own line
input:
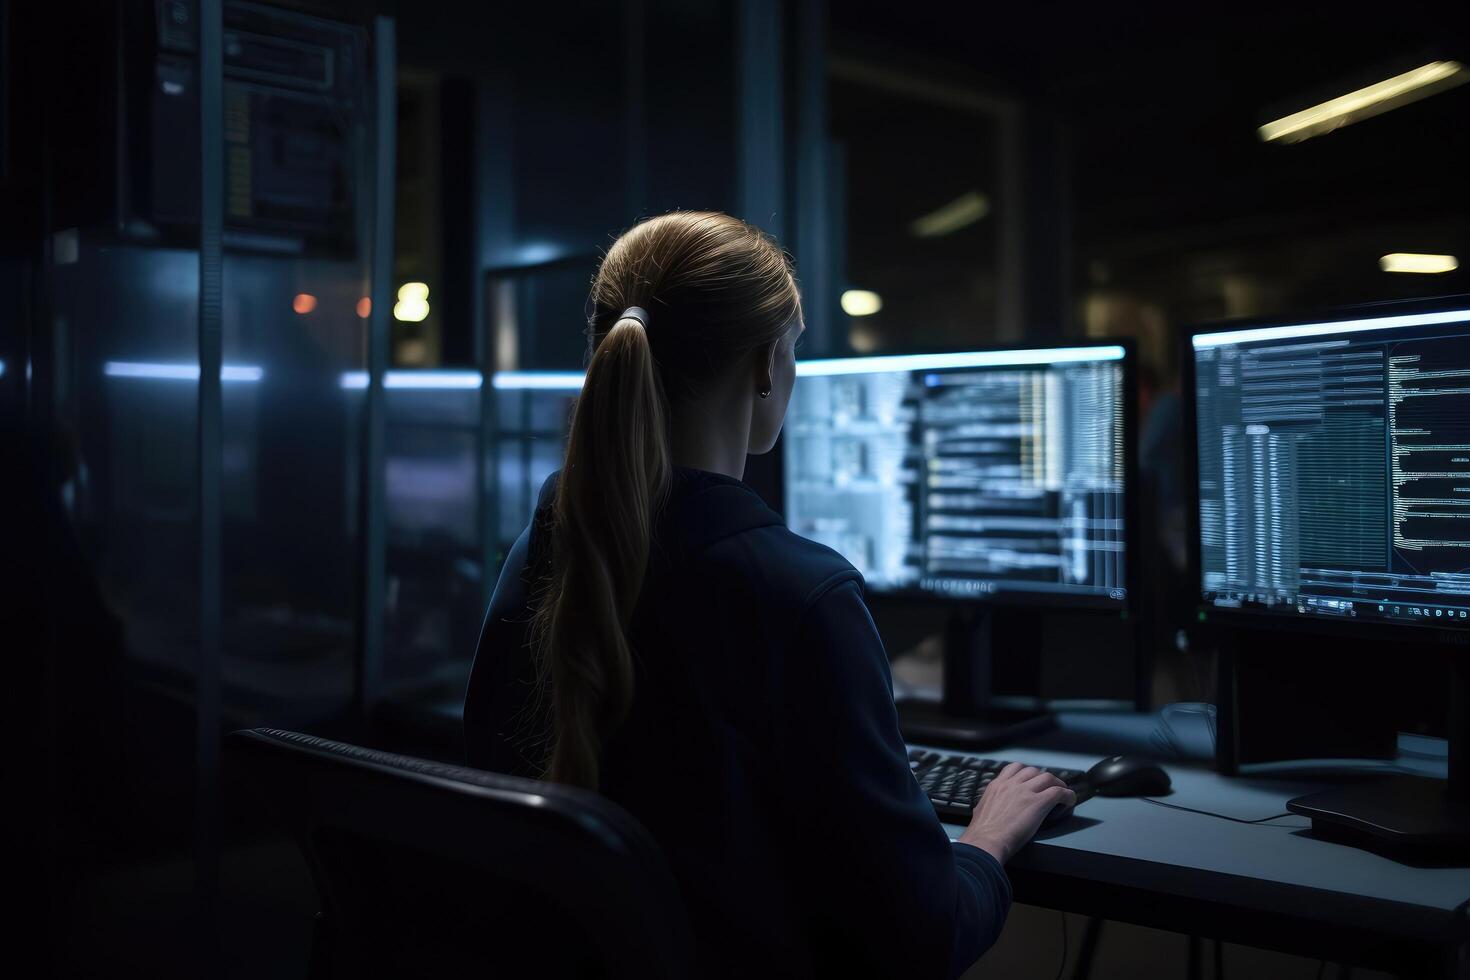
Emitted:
<point x="424" y="869"/>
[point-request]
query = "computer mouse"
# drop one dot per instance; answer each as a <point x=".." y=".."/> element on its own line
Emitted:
<point x="1124" y="775"/>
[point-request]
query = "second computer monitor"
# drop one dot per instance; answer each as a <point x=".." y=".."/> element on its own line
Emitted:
<point x="978" y="475"/>
<point x="1334" y="466"/>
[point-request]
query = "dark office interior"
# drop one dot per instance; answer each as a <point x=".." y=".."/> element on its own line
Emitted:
<point x="1131" y="382"/>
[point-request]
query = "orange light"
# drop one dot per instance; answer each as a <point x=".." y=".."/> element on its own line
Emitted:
<point x="365" y="307"/>
<point x="303" y="303"/>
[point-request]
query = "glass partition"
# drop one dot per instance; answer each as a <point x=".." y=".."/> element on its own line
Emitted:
<point x="434" y="565"/>
<point x="299" y="208"/>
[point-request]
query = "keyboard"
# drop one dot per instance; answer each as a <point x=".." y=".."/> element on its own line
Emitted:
<point x="955" y="783"/>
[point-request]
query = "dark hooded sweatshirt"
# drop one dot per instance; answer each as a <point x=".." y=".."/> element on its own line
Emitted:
<point x="762" y="749"/>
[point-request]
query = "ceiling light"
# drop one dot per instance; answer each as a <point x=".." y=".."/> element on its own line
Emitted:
<point x="1415" y="262"/>
<point x="413" y="302"/>
<point x="964" y="210"/>
<point x="861" y="302"/>
<point x="1379" y="97"/>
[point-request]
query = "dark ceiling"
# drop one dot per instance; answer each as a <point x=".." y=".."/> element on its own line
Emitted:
<point x="1162" y="103"/>
<point x="1173" y="199"/>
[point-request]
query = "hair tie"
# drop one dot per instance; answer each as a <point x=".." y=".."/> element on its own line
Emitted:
<point x="635" y="313"/>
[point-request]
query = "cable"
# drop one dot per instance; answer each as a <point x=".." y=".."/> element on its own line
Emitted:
<point x="1063" y="964"/>
<point x="1207" y="813"/>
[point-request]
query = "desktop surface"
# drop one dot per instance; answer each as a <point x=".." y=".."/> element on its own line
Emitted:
<point x="1177" y="852"/>
<point x="985" y="474"/>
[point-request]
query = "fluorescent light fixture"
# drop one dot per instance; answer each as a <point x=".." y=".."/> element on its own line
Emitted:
<point x="1416" y="262"/>
<point x="1363" y="103"/>
<point x="971" y="359"/>
<point x="416" y="380"/>
<point x="413" y="302"/>
<point x="537" y="381"/>
<point x="861" y="302"/>
<point x="1229" y="337"/>
<point x="963" y="211"/>
<point x="179" y="372"/>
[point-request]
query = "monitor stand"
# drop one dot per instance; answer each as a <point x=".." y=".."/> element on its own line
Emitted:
<point x="1406" y="814"/>
<point x="967" y="718"/>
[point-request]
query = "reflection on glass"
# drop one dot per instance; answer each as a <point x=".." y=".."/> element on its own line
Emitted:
<point x="919" y="207"/>
<point x="129" y="316"/>
<point x="290" y="456"/>
<point x="431" y="489"/>
<point x="530" y="445"/>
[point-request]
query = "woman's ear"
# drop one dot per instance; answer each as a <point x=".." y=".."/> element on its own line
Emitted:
<point x="766" y="368"/>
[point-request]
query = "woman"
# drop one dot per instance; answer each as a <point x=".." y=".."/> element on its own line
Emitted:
<point x="659" y="635"/>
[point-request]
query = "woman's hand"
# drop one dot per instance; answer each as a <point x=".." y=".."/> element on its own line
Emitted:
<point x="1012" y="808"/>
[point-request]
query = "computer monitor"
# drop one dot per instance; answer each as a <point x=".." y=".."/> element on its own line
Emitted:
<point x="995" y="475"/>
<point x="1334" y="468"/>
<point x="1332" y="459"/>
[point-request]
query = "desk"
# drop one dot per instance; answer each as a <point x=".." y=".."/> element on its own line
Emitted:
<point x="1270" y="885"/>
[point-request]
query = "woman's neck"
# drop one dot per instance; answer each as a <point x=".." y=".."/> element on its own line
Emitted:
<point x="713" y="433"/>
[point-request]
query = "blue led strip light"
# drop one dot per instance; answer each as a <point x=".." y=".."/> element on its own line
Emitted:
<point x="179" y="371"/>
<point x="537" y="381"/>
<point x="416" y="379"/>
<point x="572" y="380"/>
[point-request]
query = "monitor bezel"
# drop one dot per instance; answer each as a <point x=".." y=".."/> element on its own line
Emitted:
<point x="1265" y="619"/>
<point x="1020" y="598"/>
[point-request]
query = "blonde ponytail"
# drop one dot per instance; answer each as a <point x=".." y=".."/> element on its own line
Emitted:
<point x="615" y="479"/>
